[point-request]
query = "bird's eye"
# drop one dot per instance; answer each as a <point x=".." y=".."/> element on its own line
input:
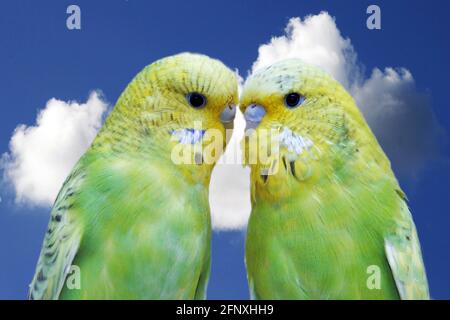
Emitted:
<point x="196" y="99"/>
<point x="293" y="99"/>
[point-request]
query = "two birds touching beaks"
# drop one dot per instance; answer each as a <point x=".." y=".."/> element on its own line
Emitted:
<point x="329" y="219"/>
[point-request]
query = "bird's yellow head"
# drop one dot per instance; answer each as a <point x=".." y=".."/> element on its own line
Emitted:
<point x="305" y="115"/>
<point x="194" y="86"/>
<point x="174" y="102"/>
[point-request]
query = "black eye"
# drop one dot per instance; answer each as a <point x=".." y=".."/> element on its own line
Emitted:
<point x="196" y="99"/>
<point x="293" y="99"/>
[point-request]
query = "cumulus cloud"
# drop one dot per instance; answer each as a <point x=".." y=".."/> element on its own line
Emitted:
<point x="315" y="40"/>
<point x="401" y="117"/>
<point x="41" y="156"/>
<point x="229" y="193"/>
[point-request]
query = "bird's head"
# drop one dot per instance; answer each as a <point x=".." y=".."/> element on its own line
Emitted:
<point x="176" y="101"/>
<point x="304" y="113"/>
<point x="195" y="87"/>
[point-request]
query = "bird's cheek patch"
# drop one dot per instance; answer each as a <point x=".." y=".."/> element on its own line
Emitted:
<point x="197" y="146"/>
<point x="188" y="136"/>
<point x="294" y="143"/>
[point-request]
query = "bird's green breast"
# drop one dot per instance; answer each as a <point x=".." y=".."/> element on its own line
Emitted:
<point x="319" y="240"/>
<point x="146" y="232"/>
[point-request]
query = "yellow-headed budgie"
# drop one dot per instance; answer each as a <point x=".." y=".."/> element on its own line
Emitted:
<point x="328" y="220"/>
<point x="133" y="215"/>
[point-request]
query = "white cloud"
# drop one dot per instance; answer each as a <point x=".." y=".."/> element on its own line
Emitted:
<point x="41" y="156"/>
<point x="316" y="40"/>
<point x="229" y="193"/>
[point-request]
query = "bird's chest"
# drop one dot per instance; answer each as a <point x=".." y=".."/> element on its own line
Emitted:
<point x="147" y="260"/>
<point x="314" y="245"/>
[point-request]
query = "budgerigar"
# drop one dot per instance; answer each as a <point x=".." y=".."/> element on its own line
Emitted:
<point x="328" y="220"/>
<point x="131" y="218"/>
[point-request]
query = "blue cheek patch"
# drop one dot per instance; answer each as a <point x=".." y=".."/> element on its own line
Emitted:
<point x="188" y="135"/>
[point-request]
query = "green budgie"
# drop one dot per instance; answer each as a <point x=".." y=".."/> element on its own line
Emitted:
<point x="133" y="221"/>
<point x="328" y="220"/>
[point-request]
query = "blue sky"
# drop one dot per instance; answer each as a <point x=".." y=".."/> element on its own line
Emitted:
<point x="40" y="59"/>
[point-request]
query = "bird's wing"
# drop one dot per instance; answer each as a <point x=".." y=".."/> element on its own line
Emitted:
<point x="405" y="258"/>
<point x="61" y="243"/>
<point x="202" y="285"/>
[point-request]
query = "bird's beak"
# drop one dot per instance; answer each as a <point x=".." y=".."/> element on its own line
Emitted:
<point x="253" y="115"/>
<point x="227" y="116"/>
